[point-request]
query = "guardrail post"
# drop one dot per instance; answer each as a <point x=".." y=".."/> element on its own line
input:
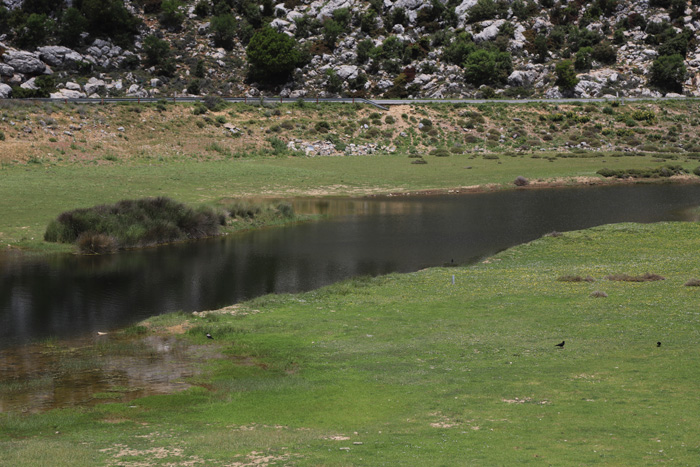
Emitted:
<point x="245" y="99"/>
<point x="317" y="99"/>
<point x="138" y="101"/>
<point x="280" y="99"/>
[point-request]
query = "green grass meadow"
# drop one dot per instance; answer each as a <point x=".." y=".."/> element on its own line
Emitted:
<point x="415" y="370"/>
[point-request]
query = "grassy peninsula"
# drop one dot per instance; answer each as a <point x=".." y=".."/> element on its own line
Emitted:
<point x="413" y="370"/>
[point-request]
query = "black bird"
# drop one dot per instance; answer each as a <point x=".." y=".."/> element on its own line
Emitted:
<point x="209" y="336"/>
<point x="561" y="344"/>
<point x="658" y="344"/>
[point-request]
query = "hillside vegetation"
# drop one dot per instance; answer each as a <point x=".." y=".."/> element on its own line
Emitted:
<point x="299" y="48"/>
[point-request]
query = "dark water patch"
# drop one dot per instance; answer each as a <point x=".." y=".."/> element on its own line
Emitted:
<point x="67" y="296"/>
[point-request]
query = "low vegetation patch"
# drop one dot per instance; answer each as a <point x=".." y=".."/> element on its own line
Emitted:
<point x="152" y="221"/>
<point x="132" y="223"/>
<point x="572" y="278"/>
<point x="646" y="277"/>
<point x="665" y="171"/>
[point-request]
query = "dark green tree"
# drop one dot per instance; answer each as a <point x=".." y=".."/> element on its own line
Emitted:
<point x="170" y="14"/>
<point x="272" y="55"/>
<point x="156" y="50"/>
<point x="668" y="73"/>
<point x="110" y="19"/>
<point x="566" y="75"/>
<point x="331" y="31"/>
<point x="224" y="28"/>
<point x="584" y="59"/>
<point x="72" y="25"/>
<point x="487" y="67"/>
<point x="364" y="50"/>
<point x="35" y="31"/>
<point x="459" y="49"/>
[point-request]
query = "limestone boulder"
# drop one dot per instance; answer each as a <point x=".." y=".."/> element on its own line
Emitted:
<point x="24" y="62"/>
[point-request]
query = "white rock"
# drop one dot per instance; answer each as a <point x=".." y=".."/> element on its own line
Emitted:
<point x="521" y="78"/>
<point x="346" y="72"/>
<point x="489" y="33"/>
<point x="93" y="85"/>
<point x="279" y="24"/>
<point x="24" y="62"/>
<point x="409" y="4"/>
<point x="67" y="94"/>
<point x="327" y="10"/>
<point x="70" y="85"/>
<point x="5" y="91"/>
<point x="587" y="89"/>
<point x="6" y="70"/>
<point x="29" y="84"/>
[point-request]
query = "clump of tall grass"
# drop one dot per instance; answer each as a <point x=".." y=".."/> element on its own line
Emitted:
<point x="133" y="223"/>
<point x="249" y="210"/>
<point x="646" y="277"/>
<point x="572" y="278"/>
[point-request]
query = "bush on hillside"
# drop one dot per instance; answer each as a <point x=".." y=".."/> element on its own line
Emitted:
<point x="668" y="72"/>
<point x="487" y="67"/>
<point x="272" y="55"/>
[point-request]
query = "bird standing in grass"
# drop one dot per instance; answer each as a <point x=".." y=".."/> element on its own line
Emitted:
<point x="658" y="344"/>
<point x="209" y="336"/>
<point x="561" y="344"/>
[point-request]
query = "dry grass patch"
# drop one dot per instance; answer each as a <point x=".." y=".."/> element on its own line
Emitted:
<point x="646" y="277"/>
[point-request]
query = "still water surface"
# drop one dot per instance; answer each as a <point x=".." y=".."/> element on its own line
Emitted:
<point x="71" y="295"/>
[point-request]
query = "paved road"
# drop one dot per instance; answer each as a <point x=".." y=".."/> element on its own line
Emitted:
<point x="380" y="103"/>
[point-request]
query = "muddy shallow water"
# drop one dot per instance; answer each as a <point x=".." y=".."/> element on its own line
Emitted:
<point x="82" y="372"/>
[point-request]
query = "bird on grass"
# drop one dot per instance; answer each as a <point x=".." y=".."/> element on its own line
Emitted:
<point x="209" y="336"/>
<point x="658" y="344"/>
<point x="561" y="344"/>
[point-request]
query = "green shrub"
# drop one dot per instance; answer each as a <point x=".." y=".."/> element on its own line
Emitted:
<point x="171" y="16"/>
<point x="132" y="223"/>
<point x="224" y="28"/>
<point x="668" y="72"/>
<point x="487" y="67"/>
<point x="566" y="75"/>
<point x="272" y="55"/>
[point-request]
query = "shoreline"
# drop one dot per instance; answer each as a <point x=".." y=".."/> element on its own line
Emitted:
<point x="15" y="252"/>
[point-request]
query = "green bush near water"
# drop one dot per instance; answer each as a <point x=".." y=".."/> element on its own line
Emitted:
<point x="132" y="223"/>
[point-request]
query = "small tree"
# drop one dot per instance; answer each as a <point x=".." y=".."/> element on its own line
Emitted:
<point x="224" y="29"/>
<point x="668" y="73"/>
<point x="272" y="55"/>
<point x="583" y="61"/>
<point x="35" y="31"/>
<point x="72" y="25"/>
<point x="171" y="16"/>
<point x="487" y="67"/>
<point x="156" y="50"/>
<point x="566" y="75"/>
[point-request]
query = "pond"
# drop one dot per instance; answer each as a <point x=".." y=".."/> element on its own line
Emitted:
<point x="68" y="296"/>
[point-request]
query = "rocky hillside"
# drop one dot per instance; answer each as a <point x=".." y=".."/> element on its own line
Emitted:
<point x="375" y="48"/>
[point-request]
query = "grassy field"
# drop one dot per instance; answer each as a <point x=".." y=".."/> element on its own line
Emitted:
<point x="414" y="370"/>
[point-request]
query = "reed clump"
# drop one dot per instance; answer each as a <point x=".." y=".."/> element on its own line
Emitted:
<point x="133" y="223"/>
<point x="646" y="277"/>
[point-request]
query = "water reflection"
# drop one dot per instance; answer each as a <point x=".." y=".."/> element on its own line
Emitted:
<point x="68" y="295"/>
<point x="86" y="372"/>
